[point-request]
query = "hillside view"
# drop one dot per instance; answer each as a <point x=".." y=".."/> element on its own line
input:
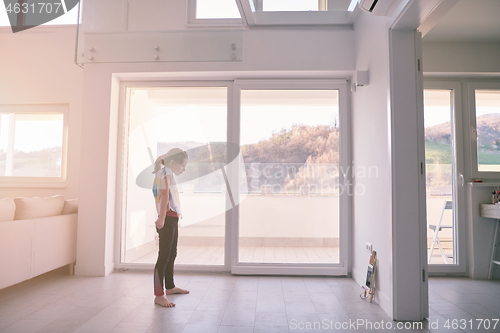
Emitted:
<point x="39" y="163"/>
<point x="289" y="159"/>
<point x="308" y="155"/>
<point x="438" y="141"/>
<point x="438" y="148"/>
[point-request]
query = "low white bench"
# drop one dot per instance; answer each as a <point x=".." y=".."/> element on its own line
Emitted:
<point x="37" y="235"/>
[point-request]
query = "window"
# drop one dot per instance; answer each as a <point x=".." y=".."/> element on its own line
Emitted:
<point x="487" y="119"/>
<point x="161" y="118"/>
<point x="445" y="156"/>
<point x="295" y="154"/>
<point x="32" y="144"/>
<point x="304" y="5"/>
<point x="440" y="169"/>
<point x="246" y="216"/>
<point x="205" y="12"/>
<point x="289" y="5"/>
<point x="291" y="158"/>
<point x="271" y="12"/>
<point x="485" y="123"/>
<point x="225" y="9"/>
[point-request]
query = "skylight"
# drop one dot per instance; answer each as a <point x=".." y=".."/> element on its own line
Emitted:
<point x="271" y="12"/>
<point x="290" y="5"/>
<point x="225" y="9"/>
<point x="304" y="5"/>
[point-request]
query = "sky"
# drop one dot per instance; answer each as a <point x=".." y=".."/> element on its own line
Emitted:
<point x="290" y="5"/>
<point x="205" y="9"/>
<point x="228" y="8"/>
<point x="437" y="105"/>
<point x="208" y="124"/>
<point x="435" y="115"/>
<point x="32" y="135"/>
<point x="259" y="123"/>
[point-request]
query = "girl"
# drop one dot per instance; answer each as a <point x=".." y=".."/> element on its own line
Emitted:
<point x="169" y="211"/>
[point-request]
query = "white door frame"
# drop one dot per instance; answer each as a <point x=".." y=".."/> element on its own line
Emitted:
<point x="409" y="248"/>
<point x="233" y="136"/>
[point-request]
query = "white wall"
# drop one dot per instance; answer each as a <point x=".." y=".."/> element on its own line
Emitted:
<point x="37" y="66"/>
<point x="371" y="142"/>
<point x="461" y="58"/>
<point x="385" y="135"/>
<point x="275" y="53"/>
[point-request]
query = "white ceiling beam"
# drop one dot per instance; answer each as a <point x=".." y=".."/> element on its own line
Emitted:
<point x="416" y="12"/>
<point x="325" y="18"/>
<point x="436" y="15"/>
<point x="247" y="10"/>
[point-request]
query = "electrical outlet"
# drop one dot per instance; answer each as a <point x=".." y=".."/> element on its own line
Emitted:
<point x="369" y="247"/>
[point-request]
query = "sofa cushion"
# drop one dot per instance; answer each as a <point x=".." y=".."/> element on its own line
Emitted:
<point x="7" y="210"/>
<point x="70" y="206"/>
<point x="29" y="208"/>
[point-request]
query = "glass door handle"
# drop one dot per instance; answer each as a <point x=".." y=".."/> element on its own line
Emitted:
<point x="461" y="175"/>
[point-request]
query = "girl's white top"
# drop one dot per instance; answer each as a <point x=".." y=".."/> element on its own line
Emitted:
<point x="173" y="195"/>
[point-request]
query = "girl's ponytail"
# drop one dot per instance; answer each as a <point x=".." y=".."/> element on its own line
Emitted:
<point x="158" y="163"/>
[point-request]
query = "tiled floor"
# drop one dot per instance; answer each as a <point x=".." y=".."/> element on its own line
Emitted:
<point x="214" y="255"/>
<point x="122" y="302"/>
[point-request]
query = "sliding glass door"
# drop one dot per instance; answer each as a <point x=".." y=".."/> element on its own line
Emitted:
<point x="290" y="145"/>
<point x="160" y="118"/>
<point x="276" y="202"/>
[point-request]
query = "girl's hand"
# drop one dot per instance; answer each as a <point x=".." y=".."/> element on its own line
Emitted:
<point x="159" y="223"/>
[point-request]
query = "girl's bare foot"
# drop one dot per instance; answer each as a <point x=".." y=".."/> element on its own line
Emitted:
<point x="176" y="290"/>
<point x="163" y="301"/>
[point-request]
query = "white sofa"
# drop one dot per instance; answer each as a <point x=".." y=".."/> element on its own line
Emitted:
<point x="37" y="235"/>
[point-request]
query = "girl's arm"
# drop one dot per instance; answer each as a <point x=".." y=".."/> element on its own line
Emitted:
<point x="164" y="205"/>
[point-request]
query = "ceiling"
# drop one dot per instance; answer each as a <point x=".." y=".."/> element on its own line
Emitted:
<point x="468" y="21"/>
